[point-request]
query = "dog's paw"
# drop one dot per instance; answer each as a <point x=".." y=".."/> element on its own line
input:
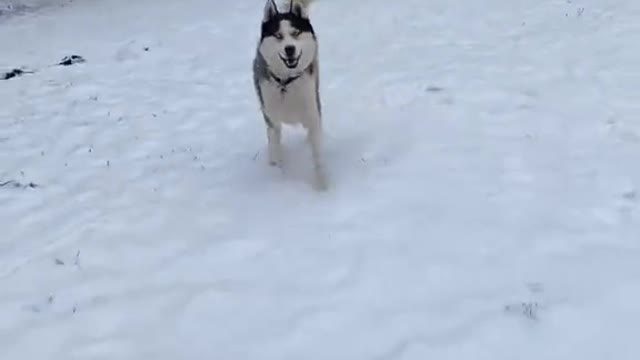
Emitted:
<point x="275" y="158"/>
<point x="321" y="183"/>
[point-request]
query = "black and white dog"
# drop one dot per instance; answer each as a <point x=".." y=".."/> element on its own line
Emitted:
<point x="286" y="79"/>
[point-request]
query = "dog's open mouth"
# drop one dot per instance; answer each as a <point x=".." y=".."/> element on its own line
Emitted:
<point x="291" y="62"/>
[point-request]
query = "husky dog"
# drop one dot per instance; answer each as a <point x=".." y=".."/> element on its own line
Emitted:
<point x="286" y="79"/>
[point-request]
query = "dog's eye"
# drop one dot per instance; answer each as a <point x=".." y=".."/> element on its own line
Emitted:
<point x="279" y="36"/>
<point x="296" y="33"/>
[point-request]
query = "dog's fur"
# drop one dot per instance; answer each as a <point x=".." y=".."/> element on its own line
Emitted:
<point x="286" y="79"/>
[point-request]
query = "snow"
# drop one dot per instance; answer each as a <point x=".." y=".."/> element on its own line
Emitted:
<point x="22" y="7"/>
<point x="484" y="185"/>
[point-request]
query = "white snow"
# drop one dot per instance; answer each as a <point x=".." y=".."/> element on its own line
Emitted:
<point x="484" y="161"/>
<point x="22" y="7"/>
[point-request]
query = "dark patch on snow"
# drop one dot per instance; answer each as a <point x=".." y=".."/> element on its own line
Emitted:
<point x="71" y="60"/>
<point x="66" y="61"/>
<point x="14" y="73"/>
<point x="527" y="309"/>
<point x="11" y="74"/>
<point x="17" y="184"/>
<point x="13" y="9"/>
<point x="531" y="308"/>
<point x="76" y="261"/>
<point x="9" y="8"/>
<point x="630" y="195"/>
<point x="434" y="89"/>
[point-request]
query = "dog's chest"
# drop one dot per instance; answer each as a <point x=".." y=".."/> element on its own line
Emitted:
<point x="294" y="103"/>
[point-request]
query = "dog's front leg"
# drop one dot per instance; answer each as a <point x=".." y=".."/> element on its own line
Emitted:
<point x="274" y="137"/>
<point x="315" y="139"/>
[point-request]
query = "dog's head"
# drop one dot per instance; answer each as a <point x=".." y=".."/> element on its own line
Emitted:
<point x="288" y="42"/>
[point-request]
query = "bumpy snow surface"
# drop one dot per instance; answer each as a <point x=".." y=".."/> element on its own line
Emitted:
<point x="484" y="159"/>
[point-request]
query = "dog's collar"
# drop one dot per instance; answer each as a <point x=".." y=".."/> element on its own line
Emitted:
<point x="284" y="82"/>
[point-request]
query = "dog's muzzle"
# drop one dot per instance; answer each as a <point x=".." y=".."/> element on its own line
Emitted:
<point x="291" y="62"/>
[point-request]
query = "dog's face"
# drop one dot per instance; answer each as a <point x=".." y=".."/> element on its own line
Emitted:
<point x="288" y="42"/>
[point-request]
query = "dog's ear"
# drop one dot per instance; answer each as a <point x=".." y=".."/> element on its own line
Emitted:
<point x="270" y="10"/>
<point x="298" y="9"/>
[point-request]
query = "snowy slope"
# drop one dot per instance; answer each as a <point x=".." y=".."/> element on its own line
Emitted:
<point x="485" y="168"/>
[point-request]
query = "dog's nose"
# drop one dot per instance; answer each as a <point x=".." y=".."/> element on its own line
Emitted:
<point x="290" y="50"/>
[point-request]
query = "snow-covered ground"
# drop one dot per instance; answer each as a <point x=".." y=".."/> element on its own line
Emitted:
<point x="21" y="7"/>
<point x="485" y="170"/>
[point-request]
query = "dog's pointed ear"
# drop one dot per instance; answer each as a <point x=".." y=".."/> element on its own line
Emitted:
<point x="270" y="11"/>
<point x="298" y="9"/>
